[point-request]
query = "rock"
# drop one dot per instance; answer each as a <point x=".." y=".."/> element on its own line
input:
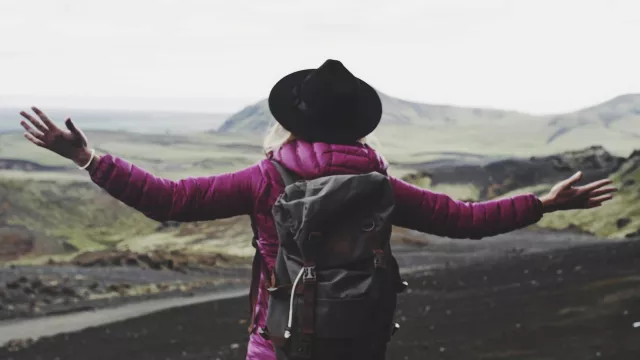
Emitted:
<point x="19" y="344"/>
<point x="634" y="234"/>
<point x="12" y="285"/>
<point x="36" y="283"/>
<point x="69" y="291"/>
<point x="119" y="288"/>
<point x="157" y="260"/>
<point x="622" y="222"/>
<point x="51" y="290"/>
<point x="28" y="290"/>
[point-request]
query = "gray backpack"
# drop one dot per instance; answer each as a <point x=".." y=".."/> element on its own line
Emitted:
<point x="335" y="281"/>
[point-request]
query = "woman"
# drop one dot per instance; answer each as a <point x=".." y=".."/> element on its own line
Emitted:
<point x="324" y="116"/>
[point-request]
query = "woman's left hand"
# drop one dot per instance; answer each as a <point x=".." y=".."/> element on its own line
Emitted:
<point x="565" y="196"/>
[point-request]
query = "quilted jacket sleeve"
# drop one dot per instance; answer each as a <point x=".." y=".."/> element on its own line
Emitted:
<point x="438" y="214"/>
<point x="190" y="199"/>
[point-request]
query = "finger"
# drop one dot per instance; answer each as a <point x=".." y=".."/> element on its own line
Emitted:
<point x="598" y="201"/>
<point x="605" y="190"/>
<point x="593" y="205"/>
<point x="602" y="198"/>
<point x="37" y="123"/>
<point x="71" y="126"/>
<point x="45" y="119"/>
<point x="572" y="180"/>
<point x="596" y="184"/>
<point x="32" y="131"/>
<point x="35" y="141"/>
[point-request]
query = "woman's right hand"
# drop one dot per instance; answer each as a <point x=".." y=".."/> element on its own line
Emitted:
<point x="71" y="143"/>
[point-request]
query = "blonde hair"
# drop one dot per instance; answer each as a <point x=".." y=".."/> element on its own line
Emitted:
<point x="278" y="136"/>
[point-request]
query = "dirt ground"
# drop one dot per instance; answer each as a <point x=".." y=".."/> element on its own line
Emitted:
<point x="37" y="291"/>
<point x="579" y="304"/>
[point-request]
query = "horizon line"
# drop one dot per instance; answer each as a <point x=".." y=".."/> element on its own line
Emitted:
<point x="204" y="108"/>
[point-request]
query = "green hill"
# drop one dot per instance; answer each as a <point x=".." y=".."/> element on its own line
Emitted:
<point x="257" y="118"/>
<point x="46" y="213"/>
<point x="437" y="129"/>
<point x="49" y="207"/>
<point x="618" y="219"/>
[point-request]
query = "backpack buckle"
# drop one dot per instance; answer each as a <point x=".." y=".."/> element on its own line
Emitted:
<point x="395" y="328"/>
<point x="264" y="332"/>
<point x="379" y="259"/>
<point x="309" y="274"/>
<point x="402" y="286"/>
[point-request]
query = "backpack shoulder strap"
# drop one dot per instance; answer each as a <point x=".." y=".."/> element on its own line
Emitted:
<point x="288" y="177"/>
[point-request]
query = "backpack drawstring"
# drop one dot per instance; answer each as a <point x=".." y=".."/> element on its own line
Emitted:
<point x="287" y="332"/>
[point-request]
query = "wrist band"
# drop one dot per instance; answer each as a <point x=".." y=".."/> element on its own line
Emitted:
<point x="93" y="153"/>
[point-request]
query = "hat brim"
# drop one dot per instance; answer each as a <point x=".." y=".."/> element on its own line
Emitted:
<point x="281" y="105"/>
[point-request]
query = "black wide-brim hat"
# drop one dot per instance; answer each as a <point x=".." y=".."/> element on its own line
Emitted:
<point x="327" y="104"/>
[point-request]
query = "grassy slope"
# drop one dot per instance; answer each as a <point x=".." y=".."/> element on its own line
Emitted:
<point x="87" y="218"/>
<point x="76" y="211"/>
<point x="171" y="156"/>
<point x="456" y="191"/>
<point x="602" y="221"/>
<point x="68" y="206"/>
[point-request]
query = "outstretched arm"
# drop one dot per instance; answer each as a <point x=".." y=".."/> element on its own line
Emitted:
<point x="190" y="199"/>
<point x="438" y="214"/>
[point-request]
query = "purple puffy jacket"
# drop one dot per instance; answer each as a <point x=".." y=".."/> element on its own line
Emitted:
<point x="253" y="191"/>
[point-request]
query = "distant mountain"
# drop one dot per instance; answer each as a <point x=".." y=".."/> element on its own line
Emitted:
<point x="257" y="118"/>
<point x="620" y="117"/>
<point x="621" y="114"/>
<point x="607" y="113"/>
<point x="254" y="118"/>
<point x="142" y="121"/>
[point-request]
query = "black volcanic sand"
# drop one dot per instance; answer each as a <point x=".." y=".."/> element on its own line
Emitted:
<point x="569" y="304"/>
<point x="36" y="291"/>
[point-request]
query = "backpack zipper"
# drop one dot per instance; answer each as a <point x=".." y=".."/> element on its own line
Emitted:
<point x="287" y="332"/>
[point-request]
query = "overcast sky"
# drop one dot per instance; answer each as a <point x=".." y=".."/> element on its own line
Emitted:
<point x="531" y="55"/>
